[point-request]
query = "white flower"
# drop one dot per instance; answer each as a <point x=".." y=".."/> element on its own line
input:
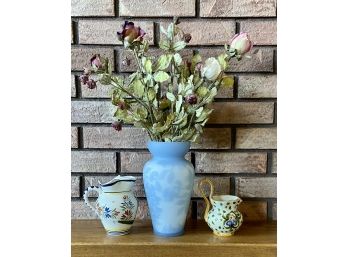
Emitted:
<point x="211" y="69"/>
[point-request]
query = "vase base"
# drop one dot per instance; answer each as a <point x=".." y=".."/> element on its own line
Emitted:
<point x="116" y="233"/>
<point x="180" y="233"/>
<point x="223" y="234"/>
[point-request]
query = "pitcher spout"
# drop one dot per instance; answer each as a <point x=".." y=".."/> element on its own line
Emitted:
<point x="118" y="184"/>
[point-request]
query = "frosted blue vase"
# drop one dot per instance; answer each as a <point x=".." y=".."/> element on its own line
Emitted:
<point x="168" y="181"/>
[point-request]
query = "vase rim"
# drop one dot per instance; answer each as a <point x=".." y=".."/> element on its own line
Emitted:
<point x="168" y="148"/>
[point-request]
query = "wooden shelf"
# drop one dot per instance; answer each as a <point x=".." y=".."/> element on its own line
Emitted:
<point x="89" y="239"/>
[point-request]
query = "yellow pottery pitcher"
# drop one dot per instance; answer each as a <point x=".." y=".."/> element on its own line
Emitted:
<point x="223" y="218"/>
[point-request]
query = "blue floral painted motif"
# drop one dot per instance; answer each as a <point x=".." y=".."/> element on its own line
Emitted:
<point x="107" y="212"/>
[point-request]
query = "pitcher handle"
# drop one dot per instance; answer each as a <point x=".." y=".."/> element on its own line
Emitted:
<point x="85" y="197"/>
<point x="207" y="201"/>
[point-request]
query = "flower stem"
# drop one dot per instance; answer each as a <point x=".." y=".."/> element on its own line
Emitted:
<point x="152" y="116"/>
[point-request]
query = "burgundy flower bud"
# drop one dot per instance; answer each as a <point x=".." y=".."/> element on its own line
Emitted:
<point x="191" y="99"/>
<point x="121" y="105"/>
<point x="96" y="63"/>
<point x="83" y="79"/>
<point x="91" y="84"/>
<point x="126" y="62"/>
<point x="187" y="38"/>
<point x="117" y="125"/>
<point x="130" y="34"/>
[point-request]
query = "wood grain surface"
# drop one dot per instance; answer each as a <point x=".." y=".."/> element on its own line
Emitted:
<point x="252" y="240"/>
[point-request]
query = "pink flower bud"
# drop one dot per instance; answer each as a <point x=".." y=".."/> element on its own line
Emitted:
<point x="241" y="43"/>
<point x="96" y="63"/>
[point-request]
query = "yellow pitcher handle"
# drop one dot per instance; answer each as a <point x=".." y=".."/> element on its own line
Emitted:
<point x="207" y="201"/>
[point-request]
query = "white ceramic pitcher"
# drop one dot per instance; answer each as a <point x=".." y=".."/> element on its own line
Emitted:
<point x="116" y="205"/>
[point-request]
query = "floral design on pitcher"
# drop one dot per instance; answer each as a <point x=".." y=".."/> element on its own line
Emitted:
<point x="115" y="213"/>
<point x="126" y="211"/>
<point x="232" y="220"/>
<point x="127" y="207"/>
<point x="107" y="212"/>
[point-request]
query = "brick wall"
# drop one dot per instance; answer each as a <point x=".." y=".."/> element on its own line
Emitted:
<point x="239" y="143"/>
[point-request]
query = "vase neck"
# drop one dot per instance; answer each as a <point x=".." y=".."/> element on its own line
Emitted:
<point x="168" y="149"/>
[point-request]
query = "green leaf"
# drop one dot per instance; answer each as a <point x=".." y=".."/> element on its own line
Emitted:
<point x="146" y="46"/>
<point x="164" y="44"/>
<point x="179" y="45"/>
<point x="181" y="88"/>
<point x="202" y="91"/>
<point x="178" y="138"/>
<point x="199" y="128"/>
<point x="170" y="96"/>
<point x="142" y="113"/>
<point x="109" y="66"/>
<point x="177" y="59"/>
<point x="170" y="30"/>
<point x="199" y="111"/>
<point x="155" y="103"/>
<point x="158" y="128"/>
<point x="196" y="59"/>
<point x="105" y="79"/>
<point x="138" y="88"/>
<point x="205" y="121"/>
<point x="183" y="121"/>
<point x="212" y="94"/>
<point x="178" y="104"/>
<point x="163" y="62"/>
<point x="222" y="62"/>
<point x="227" y="81"/>
<point x="161" y="76"/>
<point x="188" y="134"/>
<point x="205" y="114"/>
<point x="148" y="66"/>
<point x="151" y="94"/>
<point x="163" y="30"/>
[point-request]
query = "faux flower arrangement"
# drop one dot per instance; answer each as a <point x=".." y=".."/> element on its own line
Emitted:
<point x="169" y="97"/>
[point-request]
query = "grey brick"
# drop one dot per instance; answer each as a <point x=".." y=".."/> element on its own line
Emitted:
<point x="75" y="186"/>
<point x="214" y="138"/>
<point x="260" y="86"/>
<point x="107" y="137"/>
<point x="93" y="161"/>
<point x="74" y="137"/>
<point x="256" y="138"/>
<point x="92" y="8"/>
<point x="81" y="56"/>
<point x="238" y="8"/>
<point x="231" y="162"/>
<point x="256" y="187"/>
<point x="221" y="184"/>
<point x="103" y="32"/>
<point x="157" y="8"/>
<point x="242" y="113"/>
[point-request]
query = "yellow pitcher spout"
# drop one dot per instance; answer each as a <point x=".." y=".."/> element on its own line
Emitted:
<point x="207" y="201"/>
